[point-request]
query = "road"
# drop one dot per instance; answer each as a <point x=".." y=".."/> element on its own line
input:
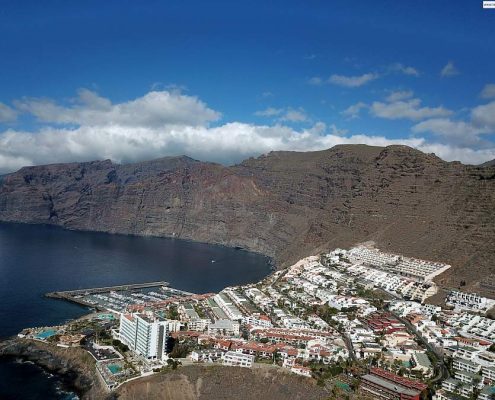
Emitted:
<point x="349" y="346"/>
<point x="442" y="372"/>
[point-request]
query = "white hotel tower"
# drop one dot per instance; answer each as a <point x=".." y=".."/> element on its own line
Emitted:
<point x="144" y="335"/>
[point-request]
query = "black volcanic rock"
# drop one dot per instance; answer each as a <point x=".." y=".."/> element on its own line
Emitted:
<point x="74" y="366"/>
<point x="284" y="204"/>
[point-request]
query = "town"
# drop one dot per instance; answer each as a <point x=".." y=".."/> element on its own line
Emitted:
<point x="356" y="321"/>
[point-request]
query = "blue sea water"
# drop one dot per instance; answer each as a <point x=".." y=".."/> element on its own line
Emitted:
<point x="37" y="259"/>
<point x="24" y="380"/>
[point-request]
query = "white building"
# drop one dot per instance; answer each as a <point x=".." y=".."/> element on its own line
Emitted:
<point x="227" y="306"/>
<point x="194" y="321"/>
<point x="467" y="377"/>
<point x="208" y="355"/>
<point x="454" y="385"/>
<point x="300" y="370"/>
<point x="474" y="326"/>
<point x="488" y="374"/>
<point x="420" y="270"/>
<point x="224" y="327"/>
<point x="465" y="365"/>
<point x="235" y="359"/>
<point x="469" y="301"/>
<point x="258" y="320"/>
<point x="145" y="335"/>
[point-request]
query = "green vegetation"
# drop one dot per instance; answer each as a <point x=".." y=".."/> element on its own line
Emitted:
<point x="181" y="349"/>
<point x="173" y="364"/>
<point x="263" y="360"/>
<point x="325" y="312"/>
<point x="200" y="311"/>
<point x="121" y="347"/>
<point x="322" y="372"/>
<point x="172" y="313"/>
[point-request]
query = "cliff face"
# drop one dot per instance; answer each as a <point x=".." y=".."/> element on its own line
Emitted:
<point x="286" y="204"/>
<point x="74" y="365"/>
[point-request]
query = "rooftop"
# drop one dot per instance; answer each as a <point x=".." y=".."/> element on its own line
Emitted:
<point x="394" y="387"/>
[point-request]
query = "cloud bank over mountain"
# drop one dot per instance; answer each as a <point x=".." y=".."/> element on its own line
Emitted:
<point x="169" y="122"/>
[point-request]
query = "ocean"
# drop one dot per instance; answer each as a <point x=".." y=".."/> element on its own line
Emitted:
<point x="36" y="259"/>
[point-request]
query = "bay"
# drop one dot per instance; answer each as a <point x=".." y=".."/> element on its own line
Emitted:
<point x="36" y="259"/>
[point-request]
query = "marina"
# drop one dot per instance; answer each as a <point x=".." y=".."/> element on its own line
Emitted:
<point x="119" y="298"/>
<point x="37" y="260"/>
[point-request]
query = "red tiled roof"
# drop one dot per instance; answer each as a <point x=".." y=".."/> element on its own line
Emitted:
<point x="292" y="352"/>
<point x="409" y="383"/>
<point x="176" y="335"/>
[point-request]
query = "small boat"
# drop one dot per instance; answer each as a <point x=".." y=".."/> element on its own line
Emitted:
<point x="213" y="261"/>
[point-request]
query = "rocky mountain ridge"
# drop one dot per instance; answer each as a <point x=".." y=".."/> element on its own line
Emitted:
<point x="284" y="204"/>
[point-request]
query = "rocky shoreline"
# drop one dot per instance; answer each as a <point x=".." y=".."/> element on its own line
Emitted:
<point x="74" y="366"/>
<point x="76" y="369"/>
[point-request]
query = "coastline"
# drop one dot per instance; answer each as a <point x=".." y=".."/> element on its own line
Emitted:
<point x="77" y="370"/>
<point x="74" y="366"/>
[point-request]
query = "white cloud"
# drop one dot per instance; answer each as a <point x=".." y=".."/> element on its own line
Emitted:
<point x="292" y="115"/>
<point x="353" y="111"/>
<point x="315" y="81"/>
<point x="153" y="109"/>
<point x="337" y="131"/>
<point x="284" y="114"/>
<point x="449" y="70"/>
<point x="463" y="154"/>
<point x="484" y="116"/>
<point x="399" y="95"/>
<point x="460" y="131"/>
<point x="352" y="81"/>
<point x="269" y="112"/>
<point x="482" y="121"/>
<point x="151" y="134"/>
<point x="407" y="108"/>
<point x="360" y="80"/>
<point x="488" y="91"/>
<point x="404" y="69"/>
<point x="227" y="143"/>
<point x="7" y="114"/>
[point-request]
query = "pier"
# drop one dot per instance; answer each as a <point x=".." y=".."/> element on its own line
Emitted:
<point x="81" y="292"/>
<point x="80" y="295"/>
<point x="119" y="298"/>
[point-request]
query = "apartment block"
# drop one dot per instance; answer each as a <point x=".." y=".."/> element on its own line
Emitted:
<point x="235" y="359"/>
<point x="145" y="335"/>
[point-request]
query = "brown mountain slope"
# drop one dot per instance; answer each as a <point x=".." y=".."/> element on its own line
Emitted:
<point x="286" y="204"/>
<point x="221" y="383"/>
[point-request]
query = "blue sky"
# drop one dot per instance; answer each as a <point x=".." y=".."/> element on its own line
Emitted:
<point x="222" y="81"/>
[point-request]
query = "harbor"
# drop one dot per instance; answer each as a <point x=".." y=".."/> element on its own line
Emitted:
<point x="119" y="298"/>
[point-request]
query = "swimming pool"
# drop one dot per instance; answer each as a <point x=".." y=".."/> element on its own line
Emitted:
<point x="106" y="317"/>
<point x="343" y="386"/>
<point x="46" y="334"/>
<point x="114" y="368"/>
